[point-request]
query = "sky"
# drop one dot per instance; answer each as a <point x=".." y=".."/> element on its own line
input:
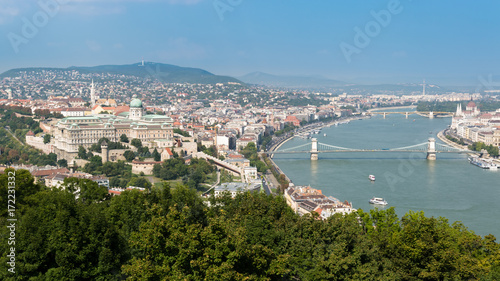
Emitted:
<point x="371" y="42"/>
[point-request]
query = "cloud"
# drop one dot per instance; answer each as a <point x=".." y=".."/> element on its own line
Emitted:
<point x="8" y="10"/>
<point x="93" y="10"/>
<point x="399" y="54"/>
<point x="172" y="2"/>
<point x="93" y="45"/>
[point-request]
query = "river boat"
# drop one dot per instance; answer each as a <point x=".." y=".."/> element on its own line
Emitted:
<point x="378" y="201"/>
<point x="482" y="163"/>
<point x="324" y="135"/>
<point x="371" y="177"/>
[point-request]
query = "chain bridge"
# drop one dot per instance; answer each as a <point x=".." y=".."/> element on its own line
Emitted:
<point x="429" y="114"/>
<point x="315" y="147"/>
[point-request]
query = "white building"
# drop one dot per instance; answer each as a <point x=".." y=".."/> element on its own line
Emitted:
<point x="236" y="187"/>
<point x="72" y="132"/>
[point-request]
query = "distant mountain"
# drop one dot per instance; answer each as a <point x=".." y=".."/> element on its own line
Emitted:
<point x="164" y="72"/>
<point x="266" y="79"/>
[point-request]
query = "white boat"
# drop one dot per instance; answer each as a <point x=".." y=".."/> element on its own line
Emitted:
<point x="378" y="201"/>
<point x="324" y="135"/>
<point x="482" y="163"/>
<point x="371" y="177"/>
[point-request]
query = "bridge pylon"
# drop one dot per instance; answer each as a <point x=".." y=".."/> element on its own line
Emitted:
<point x="406" y="114"/>
<point x="431" y="115"/>
<point x="431" y="149"/>
<point x="314" y="149"/>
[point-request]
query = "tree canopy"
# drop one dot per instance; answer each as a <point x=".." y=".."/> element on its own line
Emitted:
<point x="80" y="233"/>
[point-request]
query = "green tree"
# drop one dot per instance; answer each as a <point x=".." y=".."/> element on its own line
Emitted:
<point x="129" y="155"/>
<point x="22" y="182"/>
<point x="181" y="132"/>
<point x="52" y="157"/>
<point x="46" y="138"/>
<point x="249" y="150"/>
<point x="90" y="154"/>
<point x="94" y="166"/>
<point x="59" y="239"/>
<point x="85" y="190"/>
<point x="140" y="182"/>
<point x="156" y="155"/>
<point x="137" y="143"/>
<point x="82" y="152"/>
<point x="144" y="151"/>
<point x="62" y="163"/>
<point x="124" y="138"/>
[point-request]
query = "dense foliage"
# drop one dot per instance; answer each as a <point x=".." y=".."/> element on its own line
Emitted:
<point x="111" y="145"/>
<point x="285" y="130"/>
<point x="478" y="146"/>
<point x="451" y="106"/>
<point x="453" y="139"/>
<point x="181" y="132"/>
<point x="171" y="234"/>
<point x="13" y="131"/>
<point x="447" y="106"/>
<point x="192" y="175"/>
<point x="250" y="153"/>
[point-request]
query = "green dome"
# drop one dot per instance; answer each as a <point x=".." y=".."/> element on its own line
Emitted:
<point x="136" y="103"/>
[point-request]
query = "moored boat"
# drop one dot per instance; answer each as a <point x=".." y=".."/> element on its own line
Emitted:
<point x="482" y="163"/>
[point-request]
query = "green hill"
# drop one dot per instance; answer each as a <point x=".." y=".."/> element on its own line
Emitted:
<point x="158" y="71"/>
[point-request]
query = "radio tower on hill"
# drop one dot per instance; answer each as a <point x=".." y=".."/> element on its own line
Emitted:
<point x="92" y="93"/>
<point x="423" y="91"/>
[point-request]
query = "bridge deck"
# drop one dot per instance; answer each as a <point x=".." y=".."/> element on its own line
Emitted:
<point x="369" y="150"/>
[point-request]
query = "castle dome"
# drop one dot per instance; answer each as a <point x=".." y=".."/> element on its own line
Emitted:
<point x="136" y="103"/>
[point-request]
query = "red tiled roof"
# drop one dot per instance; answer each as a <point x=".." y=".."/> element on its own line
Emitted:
<point x="44" y="173"/>
<point x="169" y="151"/>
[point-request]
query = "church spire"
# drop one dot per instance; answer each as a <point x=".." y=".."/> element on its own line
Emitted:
<point x="459" y="110"/>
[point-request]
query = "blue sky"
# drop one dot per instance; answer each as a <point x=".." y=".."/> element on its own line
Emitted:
<point x="445" y="42"/>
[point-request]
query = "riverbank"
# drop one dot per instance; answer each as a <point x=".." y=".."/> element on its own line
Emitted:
<point x="442" y="136"/>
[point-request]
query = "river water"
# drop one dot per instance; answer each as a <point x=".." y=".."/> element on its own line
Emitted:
<point x="449" y="187"/>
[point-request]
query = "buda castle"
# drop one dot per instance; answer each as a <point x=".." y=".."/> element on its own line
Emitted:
<point x="72" y="132"/>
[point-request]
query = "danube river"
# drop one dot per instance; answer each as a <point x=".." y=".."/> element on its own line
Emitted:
<point x="449" y="187"/>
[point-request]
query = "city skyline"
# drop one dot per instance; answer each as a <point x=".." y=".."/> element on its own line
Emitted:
<point x="447" y="43"/>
